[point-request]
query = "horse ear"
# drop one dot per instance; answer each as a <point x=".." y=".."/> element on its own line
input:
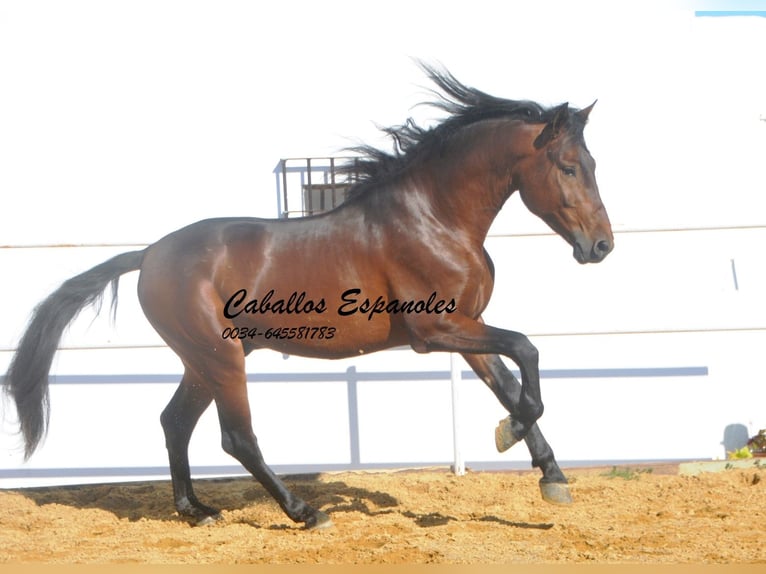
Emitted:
<point x="585" y="112"/>
<point x="554" y="127"/>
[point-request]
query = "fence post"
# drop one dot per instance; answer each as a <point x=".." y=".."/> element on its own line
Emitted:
<point x="353" y="415"/>
<point x="458" y="465"/>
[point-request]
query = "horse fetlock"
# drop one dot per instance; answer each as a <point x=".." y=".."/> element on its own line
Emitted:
<point x="200" y="514"/>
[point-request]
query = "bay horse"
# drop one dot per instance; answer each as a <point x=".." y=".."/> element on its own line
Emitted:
<point x="400" y="262"/>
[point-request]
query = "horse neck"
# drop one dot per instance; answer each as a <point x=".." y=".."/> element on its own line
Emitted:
<point x="470" y="180"/>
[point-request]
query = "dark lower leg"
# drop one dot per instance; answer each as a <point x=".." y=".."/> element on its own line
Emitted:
<point x="186" y="502"/>
<point x="178" y="421"/>
<point x="502" y="382"/>
<point x="243" y="446"/>
<point x="542" y="456"/>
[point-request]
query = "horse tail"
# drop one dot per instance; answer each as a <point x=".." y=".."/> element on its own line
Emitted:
<point x="27" y="378"/>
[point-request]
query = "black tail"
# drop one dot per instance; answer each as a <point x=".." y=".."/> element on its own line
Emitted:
<point x="27" y="377"/>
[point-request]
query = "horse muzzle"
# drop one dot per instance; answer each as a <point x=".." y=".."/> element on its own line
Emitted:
<point x="592" y="251"/>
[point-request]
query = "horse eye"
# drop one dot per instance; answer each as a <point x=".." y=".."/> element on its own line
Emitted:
<point x="570" y="171"/>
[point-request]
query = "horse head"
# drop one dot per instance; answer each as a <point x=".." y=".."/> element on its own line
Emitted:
<point x="557" y="182"/>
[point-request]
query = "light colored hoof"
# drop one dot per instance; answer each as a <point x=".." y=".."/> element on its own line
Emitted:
<point x="319" y="521"/>
<point x="556" y="493"/>
<point x="504" y="438"/>
<point x="208" y="520"/>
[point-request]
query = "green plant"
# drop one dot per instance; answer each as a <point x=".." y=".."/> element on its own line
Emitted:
<point x="627" y="473"/>
<point x="741" y="453"/>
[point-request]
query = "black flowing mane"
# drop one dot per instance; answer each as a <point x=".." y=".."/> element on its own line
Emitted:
<point x="466" y="105"/>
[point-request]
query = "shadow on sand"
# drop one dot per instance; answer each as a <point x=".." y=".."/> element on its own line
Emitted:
<point x="153" y="500"/>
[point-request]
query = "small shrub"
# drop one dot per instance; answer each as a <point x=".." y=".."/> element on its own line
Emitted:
<point x="627" y="473"/>
<point x="741" y="453"/>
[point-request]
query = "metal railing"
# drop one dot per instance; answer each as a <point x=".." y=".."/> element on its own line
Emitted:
<point x="315" y="184"/>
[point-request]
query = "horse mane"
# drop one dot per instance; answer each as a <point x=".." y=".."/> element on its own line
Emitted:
<point x="465" y="105"/>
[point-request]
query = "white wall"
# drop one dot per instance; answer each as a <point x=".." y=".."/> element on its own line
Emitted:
<point x="122" y="123"/>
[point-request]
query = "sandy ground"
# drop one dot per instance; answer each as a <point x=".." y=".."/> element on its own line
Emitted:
<point x="619" y="516"/>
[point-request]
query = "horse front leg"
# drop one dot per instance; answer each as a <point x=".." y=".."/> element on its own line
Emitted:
<point x="491" y="369"/>
<point x="469" y="336"/>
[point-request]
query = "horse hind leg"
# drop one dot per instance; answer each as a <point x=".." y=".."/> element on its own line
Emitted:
<point x="215" y="371"/>
<point x="178" y="421"/>
<point x="239" y="441"/>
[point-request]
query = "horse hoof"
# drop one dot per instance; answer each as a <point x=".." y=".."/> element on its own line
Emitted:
<point x="556" y="493"/>
<point x="318" y="521"/>
<point x="504" y="438"/>
<point x="208" y="520"/>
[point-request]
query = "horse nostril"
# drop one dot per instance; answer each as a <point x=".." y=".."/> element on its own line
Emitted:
<point x="602" y="247"/>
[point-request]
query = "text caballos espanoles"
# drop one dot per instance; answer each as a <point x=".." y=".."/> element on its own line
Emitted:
<point x="351" y="303"/>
